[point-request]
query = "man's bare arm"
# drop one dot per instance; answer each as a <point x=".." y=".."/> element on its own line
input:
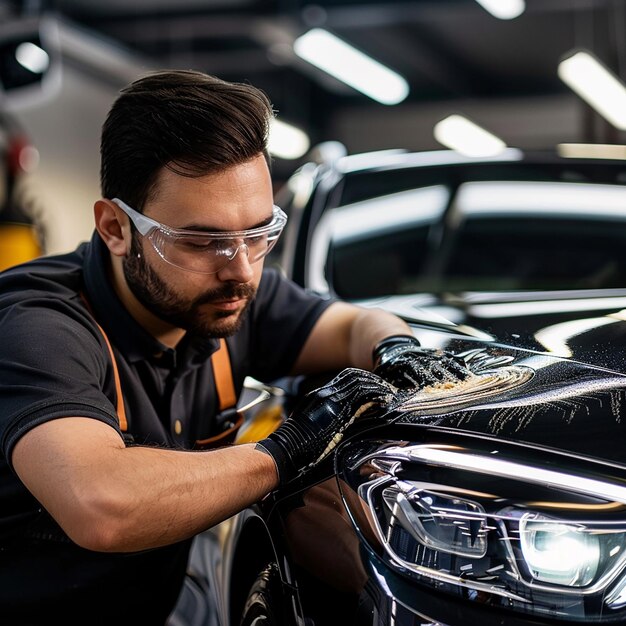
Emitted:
<point x="345" y="336"/>
<point x="107" y="497"/>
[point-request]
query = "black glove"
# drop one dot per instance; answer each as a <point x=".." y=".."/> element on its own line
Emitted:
<point x="401" y="361"/>
<point x="318" y="422"/>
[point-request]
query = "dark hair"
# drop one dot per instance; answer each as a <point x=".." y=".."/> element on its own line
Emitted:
<point x="187" y="121"/>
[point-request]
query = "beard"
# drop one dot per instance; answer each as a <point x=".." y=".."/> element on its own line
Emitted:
<point x="186" y="313"/>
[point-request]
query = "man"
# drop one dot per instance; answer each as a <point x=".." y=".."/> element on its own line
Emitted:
<point x="106" y="376"/>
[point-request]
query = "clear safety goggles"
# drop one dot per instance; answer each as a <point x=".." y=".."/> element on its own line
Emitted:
<point x="206" y="252"/>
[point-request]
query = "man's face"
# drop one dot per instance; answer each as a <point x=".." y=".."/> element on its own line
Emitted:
<point x="214" y="305"/>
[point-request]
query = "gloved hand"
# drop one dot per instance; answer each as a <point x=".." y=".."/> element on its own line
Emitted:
<point x="401" y="361"/>
<point x="319" y="421"/>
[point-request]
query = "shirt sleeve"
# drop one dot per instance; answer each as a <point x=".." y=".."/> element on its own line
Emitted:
<point x="283" y="316"/>
<point x="51" y="366"/>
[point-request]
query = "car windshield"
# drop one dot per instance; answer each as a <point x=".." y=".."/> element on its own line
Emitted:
<point x="477" y="236"/>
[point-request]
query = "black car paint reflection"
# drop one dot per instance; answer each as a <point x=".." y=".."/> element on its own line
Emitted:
<point x="326" y="527"/>
<point x="312" y="548"/>
<point x="315" y="541"/>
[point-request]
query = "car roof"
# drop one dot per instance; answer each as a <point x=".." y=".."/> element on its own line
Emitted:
<point x="394" y="159"/>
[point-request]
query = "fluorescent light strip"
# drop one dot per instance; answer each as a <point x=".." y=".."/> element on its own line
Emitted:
<point x="597" y="85"/>
<point x="503" y="9"/>
<point x="597" y="201"/>
<point x="287" y="141"/>
<point x="591" y="151"/>
<point x="510" y="469"/>
<point x="386" y="214"/>
<point x="32" y="57"/>
<point x="337" y="58"/>
<point x="407" y="159"/>
<point x="458" y="133"/>
<point x="516" y="309"/>
<point x="555" y="339"/>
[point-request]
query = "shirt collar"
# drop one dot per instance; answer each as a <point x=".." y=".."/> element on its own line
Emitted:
<point x="123" y="330"/>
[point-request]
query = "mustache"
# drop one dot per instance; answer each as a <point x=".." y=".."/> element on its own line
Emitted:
<point x="227" y="292"/>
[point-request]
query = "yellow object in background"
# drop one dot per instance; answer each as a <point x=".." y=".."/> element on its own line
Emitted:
<point x="266" y="421"/>
<point x="18" y="243"/>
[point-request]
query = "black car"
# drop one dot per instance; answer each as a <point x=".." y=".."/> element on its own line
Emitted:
<point x="497" y="500"/>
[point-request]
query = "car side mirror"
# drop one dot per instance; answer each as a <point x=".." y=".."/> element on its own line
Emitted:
<point x="30" y="63"/>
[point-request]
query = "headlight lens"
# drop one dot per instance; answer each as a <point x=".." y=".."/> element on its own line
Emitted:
<point x="438" y="521"/>
<point x="469" y="522"/>
<point x="559" y="553"/>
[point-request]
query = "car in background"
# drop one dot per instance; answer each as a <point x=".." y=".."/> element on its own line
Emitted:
<point x="497" y="500"/>
<point x="466" y="232"/>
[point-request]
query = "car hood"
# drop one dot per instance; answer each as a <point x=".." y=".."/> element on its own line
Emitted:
<point x="587" y="326"/>
<point x="551" y="371"/>
<point x="557" y="403"/>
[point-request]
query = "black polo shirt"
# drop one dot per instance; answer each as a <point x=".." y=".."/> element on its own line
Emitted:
<point x="54" y="363"/>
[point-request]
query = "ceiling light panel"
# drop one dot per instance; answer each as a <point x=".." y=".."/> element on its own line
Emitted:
<point x="458" y="133"/>
<point x="351" y="66"/>
<point x="287" y="141"/>
<point x="503" y="9"/>
<point x="597" y="85"/>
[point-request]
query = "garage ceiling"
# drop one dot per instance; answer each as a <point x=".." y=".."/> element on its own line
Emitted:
<point x="448" y="50"/>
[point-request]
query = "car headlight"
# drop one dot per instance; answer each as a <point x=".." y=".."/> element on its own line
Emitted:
<point x="559" y="553"/>
<point x="449" y="524"/>
<point x="489" y="523"/>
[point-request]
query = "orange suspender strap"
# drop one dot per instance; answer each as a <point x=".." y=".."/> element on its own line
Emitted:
<point x="121" y="410"/>
<point x="226" y="396"/>
<point x="223" y="374"/>
<point x="220" y="360"/>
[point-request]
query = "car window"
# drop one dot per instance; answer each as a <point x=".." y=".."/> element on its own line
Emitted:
<point x="536" y="235"/>
<point x="495" y="235"/>
<point x="361" y="249"/>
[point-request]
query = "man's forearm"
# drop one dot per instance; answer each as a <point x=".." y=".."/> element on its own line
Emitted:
<point x="110" y="498"/>
<point x="179" y="494"/>
<point x="369" y="327"/>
